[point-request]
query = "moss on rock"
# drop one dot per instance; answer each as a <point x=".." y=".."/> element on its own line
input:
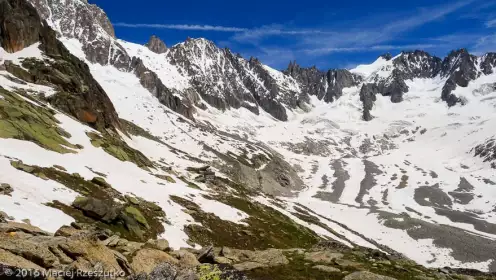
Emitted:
<point x="23" y="120"/>
<point x="267" y="227"/>
<point x="117" y="148"/>
<point x="136" y="214"/>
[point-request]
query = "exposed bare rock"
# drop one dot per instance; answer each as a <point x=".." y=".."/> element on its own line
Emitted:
<point x="156" y="45"/>
<point x="19" y="25"/>
<point x="13" y="227"/>
<point x="13" y="260"/>
<point x="327" y="86"/>
<point x="6" y="189"/>
<point x="146" y="260"/>
<point x="366" y="275"/>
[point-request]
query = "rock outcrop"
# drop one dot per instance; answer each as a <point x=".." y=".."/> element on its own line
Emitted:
<point x="327" y="86"/>
<point x="78" y="93"/>
<point x="156" y="45"/>
<point x="96" y="34"/>
<point x="224" y="80"/>
<point x="229" y="81"/>
<point x="487" y="151"/>
<point x="74" y="249"/>
<point x="19" y="25"/>
<point x="458" y="68"/>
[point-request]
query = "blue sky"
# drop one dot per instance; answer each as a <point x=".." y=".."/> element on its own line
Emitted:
<point x="328" y="34"/>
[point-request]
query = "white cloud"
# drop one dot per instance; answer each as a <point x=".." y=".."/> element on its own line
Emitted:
<point x="485" y="44"/>
<point x="182" y="27"/>
<point x="371" y="48"/>
<point x="372" y="35"/>
<point x="491" y="23"/>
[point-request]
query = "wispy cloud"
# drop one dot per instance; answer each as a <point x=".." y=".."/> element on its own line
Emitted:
<point x="382" y="33"/>
<point x="182" y="27"/>
<point x="491" y="23"/>
<point x="363" y="37"/>
<point x="485" y="44"/>
<point x="372" y="48"/>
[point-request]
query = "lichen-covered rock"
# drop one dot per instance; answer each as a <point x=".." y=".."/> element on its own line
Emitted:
<point x="96" y="208"/>
<point x="158" y="244"/>
<point x="23" y="120"/>
<point x="13" y="227"/>
<point x="366" y="275"/>
<point x="186" y="259"/>
<point x="145" y="260"/>
<point x="323" y="256"/>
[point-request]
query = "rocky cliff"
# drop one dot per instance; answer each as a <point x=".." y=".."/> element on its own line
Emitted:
<point x="78" y="93"/>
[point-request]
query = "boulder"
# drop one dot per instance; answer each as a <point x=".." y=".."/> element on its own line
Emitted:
<point x="128" y="248"/>
<point x="4" y="217"/>
<point x="100" y="182"/>
<point x="322" y="256"/>
<point x="32" y="251"/>
<point x="164" y="271"/>
<point x="12" y="260"/>
<point x="96" y="209"/>
<point x="245" y="266"/>
<point x="206" y="255"/>
<point x="270" y="257"/>
<point x="6" y="189"/>
<point x="112" y="241"/>
<point x="145" y="260"/>
<point x="20" y="227"/>
<point x="328" y="269"/>
<point x="366" y="275"/>
<point x="248" y="260"/>
<point x="159" y="244"/>
<point x="156" y="45"/>
<point x="87" y="250"/>
<point x="67" y="231"/>
<point x="186" y="259"/>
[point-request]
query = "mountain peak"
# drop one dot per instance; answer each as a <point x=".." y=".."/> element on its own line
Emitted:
<point x="387" y="56"/>
<point x="156" y="45"/>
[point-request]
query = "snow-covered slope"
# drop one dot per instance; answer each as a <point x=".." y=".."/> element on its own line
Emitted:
<point x="295" y="141"/>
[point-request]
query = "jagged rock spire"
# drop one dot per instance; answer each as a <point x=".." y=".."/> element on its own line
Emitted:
<point x="156" y="45"/>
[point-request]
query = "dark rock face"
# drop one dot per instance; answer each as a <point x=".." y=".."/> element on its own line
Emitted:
<point x="487" y="151"/>
<point x="417" y="64"/>
<point x="226" y="80"/>
<point x="78" y="93"/>
<point x="327" y="86"/>
<point x="152" y="83"/>
<point x="156" y="45"/>
<point x="87" y="23"/>
<point x="91" y="26"/>
<point x="460" y="68"/>
<point x="367" y="96"/>
<point x="488" y="63"/>
<point x="19" y="26"/>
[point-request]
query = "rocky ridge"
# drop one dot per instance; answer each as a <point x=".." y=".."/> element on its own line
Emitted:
<point x="156" y="45"/>
<point x="81" y="248"/>
<point x="78" y="93"/>
<point x="224" y="80"/>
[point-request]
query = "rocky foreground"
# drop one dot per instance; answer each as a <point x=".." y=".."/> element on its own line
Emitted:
<point x="32" y="253"/>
